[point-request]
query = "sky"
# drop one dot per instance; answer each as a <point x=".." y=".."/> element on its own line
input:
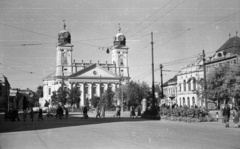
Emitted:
<point x="181" y="29"/>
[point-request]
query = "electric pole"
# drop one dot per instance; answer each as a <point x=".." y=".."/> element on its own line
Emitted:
<point x="153" y="87"/>
<point x="161" y="67"/>
<point x="205" y="82"/>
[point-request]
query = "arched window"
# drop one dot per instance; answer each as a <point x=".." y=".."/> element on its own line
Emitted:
<point x="183" y="101"/>
<point x="184" y="85"/>
<point x="121" y="60"/>
<point x="194" y="84"/>
<point x="193" y="101"/>
<point x="188" y="101"/>
<point x="189" y="85"/>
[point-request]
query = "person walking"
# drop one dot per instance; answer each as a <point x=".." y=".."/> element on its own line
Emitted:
<point x="132" y="112"/>
<point x="226" y="114"/>
<point x="66" y="113"/>
<point x="60" y="112"/>
<point x="40" y="115"/>
<point x="24" y="115"/>
<point x="118" y="114"/>
<point x="98" y="112"/>
<point x="217" y="116"/>
<point x="15" y="111"/>
<point x="103" y="112"/>
<point x="31" y="114"/>
<point x="236" y="117"/>
<point x="85" y="112"/>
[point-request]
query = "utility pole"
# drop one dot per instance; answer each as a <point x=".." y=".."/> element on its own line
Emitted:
<point x="205" y="82"/>
<point x="161" y="67"/>
<point x="62" y="82"/>
<point x="153" y="87"/>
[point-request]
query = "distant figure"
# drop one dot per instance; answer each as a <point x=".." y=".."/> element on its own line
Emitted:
<point x="236" y="115"/>
<point x="118" y="113"/>
<point x="15" y="115"/>
<point x="24" y="115"/>
<point x="85" y="112"/>
<point x="40" y="114"/>
<point x="132" y="112"/>
<point x="139" y="111"/>
<point x="217" y="116"/>
<point x="226" y="114"/>
<point x="31" y="114"/>
<point x="97" y="112"/>
<point x="66" y="112"/>
<point x="103" y="112"/>
<point x="60" y="112"/>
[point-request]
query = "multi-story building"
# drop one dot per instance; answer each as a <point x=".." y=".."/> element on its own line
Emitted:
<point x="170" y="91"/>
<point x="228" y="54"/>
<point x="189" y="88"/>
<point x="4" y="91"/>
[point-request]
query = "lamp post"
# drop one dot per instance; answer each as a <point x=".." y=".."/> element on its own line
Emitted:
<point x="153" y="87"/>
<point x="121" y="92"/>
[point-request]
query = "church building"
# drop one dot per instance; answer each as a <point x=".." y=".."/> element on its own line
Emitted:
<point x="92" y="79"/>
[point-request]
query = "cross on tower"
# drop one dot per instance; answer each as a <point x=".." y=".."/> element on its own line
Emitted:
<point x="64" y="25"/>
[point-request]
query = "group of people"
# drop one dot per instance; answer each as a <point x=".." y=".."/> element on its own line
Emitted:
<point x="226" y="115"/>
<point x="13" y="114"/>
<point x="132" y="111"/>
<point x="100" y="112"/>
<point x="59" y="112"/>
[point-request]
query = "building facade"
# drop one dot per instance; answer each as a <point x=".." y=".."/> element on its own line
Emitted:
<point x="92" y="79"/>
<point x="188" y="87"/>
<point x="170" y="91"/>
<point x="4" y="91"/>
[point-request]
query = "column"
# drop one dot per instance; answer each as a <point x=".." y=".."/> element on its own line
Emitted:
<point x="89" y="91"/>
<point x="82" y="94"/>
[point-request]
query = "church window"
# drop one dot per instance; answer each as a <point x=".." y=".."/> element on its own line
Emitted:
<point x="49" y="91"/>
<point x="121" y="60"/>
<point x="219" y="55"/>
<point x="64" y="58"/>
<point x="184" y="85"/>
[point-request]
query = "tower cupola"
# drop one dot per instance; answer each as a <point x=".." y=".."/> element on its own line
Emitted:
<point x="64" y="36"/>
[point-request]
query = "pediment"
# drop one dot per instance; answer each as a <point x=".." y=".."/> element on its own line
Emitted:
<point x="94" y="71"/>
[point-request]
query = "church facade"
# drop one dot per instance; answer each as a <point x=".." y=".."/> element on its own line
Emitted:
<point x="92" y="79"/>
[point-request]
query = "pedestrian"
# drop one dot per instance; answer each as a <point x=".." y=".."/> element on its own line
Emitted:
<point x="236" y="117"/>
<point x="31" y="114"/>
<point x="60" y="112"/>
<point x="118" y="112"/>
<point x="217" y="116"/>
<point x="139" y="111"/>
<point x="103" y="112"/>
<point x="85" y="112"/>
<point x="40" y="115"/>
<point x="98" y="112"/>
<point x="24" y="115"/>
<point x="15" y="111"/>
<point x="226" y="114"/>
<point x="132" y="112"/>
<point x="66" y="113"/>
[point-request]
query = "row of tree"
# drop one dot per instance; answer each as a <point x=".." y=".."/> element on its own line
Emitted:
<point x="132" y="94"/>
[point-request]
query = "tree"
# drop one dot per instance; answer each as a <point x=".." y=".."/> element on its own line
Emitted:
<point x="107" y="98"/>
<point x="223" y="83"/>
<point x="95" y="101"/>
<point x="39" y="91"/>
<point x="73" y="96"/>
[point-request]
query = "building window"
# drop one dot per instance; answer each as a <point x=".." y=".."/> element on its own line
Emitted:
<point x="49" y="91"/>
<point x="188" y="101"/>
<point x="184" y="85"/>
<point x="194" y="84"/>
<point x="234" y="62"/>
<point x="189" y="85"/>
<point x="180" y="102"/>
<point x="183" y="101"/>
<point x="193" y="101"/>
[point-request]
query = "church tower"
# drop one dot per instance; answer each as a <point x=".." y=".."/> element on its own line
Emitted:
<point x="64" y="53"/>
<point x="120" y="55"/>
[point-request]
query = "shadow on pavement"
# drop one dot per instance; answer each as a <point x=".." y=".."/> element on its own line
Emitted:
<point x="52" y="122"/>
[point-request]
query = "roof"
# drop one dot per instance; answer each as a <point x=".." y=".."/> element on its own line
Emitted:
<point x="171" y="81"/>
<point x="232" y="45"/>
<point x="89" y="68"/>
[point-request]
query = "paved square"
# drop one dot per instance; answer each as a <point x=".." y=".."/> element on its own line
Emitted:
<point x="116" y="133"/>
